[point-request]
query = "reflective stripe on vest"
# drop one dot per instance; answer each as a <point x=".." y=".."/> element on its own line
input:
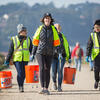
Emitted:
<point x="66" y="46"/>
<point x="96" y="47"/>
<point x="37" y="35"/>
<point x="22" y="53"/>
<point x="16" y="43"/>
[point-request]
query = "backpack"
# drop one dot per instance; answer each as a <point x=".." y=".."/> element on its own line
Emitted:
<point x="78" y="52"/>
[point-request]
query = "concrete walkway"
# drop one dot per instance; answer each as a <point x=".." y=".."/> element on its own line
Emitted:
<point x="83" y="89"/>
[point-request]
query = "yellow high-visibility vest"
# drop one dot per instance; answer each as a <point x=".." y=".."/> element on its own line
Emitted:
<point x="66" y="46"/>
<point x="22" y="53"/>
<point x="37" y="36"/>
<point x="96" y="47"/>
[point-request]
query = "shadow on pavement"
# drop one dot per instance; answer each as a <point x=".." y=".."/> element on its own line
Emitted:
<point x="64" y="92"/>
<point x="75" y="92"/>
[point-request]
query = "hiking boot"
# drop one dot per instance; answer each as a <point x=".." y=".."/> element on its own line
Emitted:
<point x="96" y="85"/>
<point x="21" y="89"/>
<point x="59" y="89"/>
<point x="42" y="91"/>
<point x="55" y="86"/>
<point x="46" y="92"/>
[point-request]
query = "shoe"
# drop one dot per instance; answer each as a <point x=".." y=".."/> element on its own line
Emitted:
<point x="96" y="85"/>
<point x="46" y="92"/>
<point x="42" y="91"/>
<point x="21" y="89"/>
<point x="55" y="86"/>
<point x="59" y="89"/>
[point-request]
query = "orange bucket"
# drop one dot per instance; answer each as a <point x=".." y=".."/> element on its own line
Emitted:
<point x="32" y="73"/>
<point x="5" y="79"/>
<point x="69" y="75"/>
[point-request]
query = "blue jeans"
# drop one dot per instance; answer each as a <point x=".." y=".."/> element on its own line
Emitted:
<point x="77" y="63"/>
<point x="20" y="67"/>
<point x="57" y="67"/>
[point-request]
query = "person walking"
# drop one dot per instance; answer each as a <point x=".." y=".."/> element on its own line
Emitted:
<point x="77" y="54"/>
<point x="44" y="41"/>
<point x="20" y="48"/>
<point x="60" y="57"/>
<point x="93" y="51"/>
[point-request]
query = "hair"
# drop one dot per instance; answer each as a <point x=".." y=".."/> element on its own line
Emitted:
<point x="42" y="20"/>
<point x="77" y="44"/>
<point x="57" y="25"/>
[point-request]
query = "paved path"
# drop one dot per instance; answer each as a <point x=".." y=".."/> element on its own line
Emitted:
<point x="81" y="90"/>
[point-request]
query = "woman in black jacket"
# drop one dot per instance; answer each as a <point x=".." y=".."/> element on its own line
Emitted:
<point x="44" y="41"/>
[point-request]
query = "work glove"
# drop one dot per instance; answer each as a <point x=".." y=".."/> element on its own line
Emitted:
<point x="6" y="63"/>
<point x="69" y="61"/>
<point x="60" y="56"/>
<point x="87" y="59"/>
<point x="31" y="58"/>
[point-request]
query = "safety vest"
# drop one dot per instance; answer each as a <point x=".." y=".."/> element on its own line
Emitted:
<point x="22" y="53"/>
<point x="96" y="47"/>
<point x="37" y="36"/>
<point x="66" y="46"/>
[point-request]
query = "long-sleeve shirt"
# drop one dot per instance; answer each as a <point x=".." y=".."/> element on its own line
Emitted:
<point x="74" y="52"/>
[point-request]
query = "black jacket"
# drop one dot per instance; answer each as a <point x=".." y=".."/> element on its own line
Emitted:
<point x="45" y="46"/>
<point x="89" y="50"/>
<point x="11" y="48"/>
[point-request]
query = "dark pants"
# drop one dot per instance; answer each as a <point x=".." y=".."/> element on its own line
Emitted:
<point x="20" y="67"/>
<point x="97" y="68"/>
<point x="45" y="65"/>
<point x="97" y="74"/>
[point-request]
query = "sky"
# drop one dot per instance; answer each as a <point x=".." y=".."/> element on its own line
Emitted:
<point x="57" y="3"/>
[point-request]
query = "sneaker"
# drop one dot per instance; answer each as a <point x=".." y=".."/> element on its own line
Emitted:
<point x="59" y="89"/>
<point x="42" y="91"/>
<point x="21" y="89"/>
<point x="46" y="92"/>
<point x="96" y="85"/>
<point x="55" y="86"/>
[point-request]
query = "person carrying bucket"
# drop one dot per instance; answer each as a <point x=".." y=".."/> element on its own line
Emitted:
<point x="20" y="49"/>
<point x="61" y="55"/>
<point x="93" y="51"/>
<point x="44" y="41"/>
